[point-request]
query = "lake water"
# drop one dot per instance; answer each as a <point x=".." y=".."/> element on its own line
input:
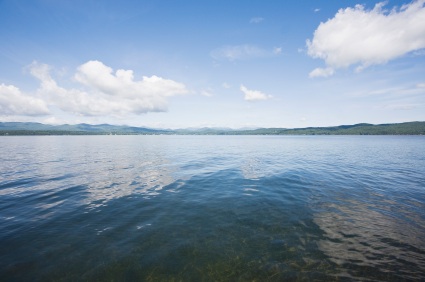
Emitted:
<point x="212" y="208"/>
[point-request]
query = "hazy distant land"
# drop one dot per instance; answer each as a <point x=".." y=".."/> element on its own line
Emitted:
<point x="30" y="128"/>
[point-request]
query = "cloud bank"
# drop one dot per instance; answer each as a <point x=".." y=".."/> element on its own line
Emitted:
<point x="102" y="92"/>
<point x="356" y="36"/>
<point x="254" y="95"/>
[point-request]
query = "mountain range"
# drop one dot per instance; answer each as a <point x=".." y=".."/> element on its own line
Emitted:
<point x="31" y="128"/>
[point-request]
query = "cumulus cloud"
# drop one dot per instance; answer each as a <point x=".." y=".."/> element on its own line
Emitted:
<point x="14" y="102"/>
<point x="256" y="20"/>
<point x="254" y="95"/>
<point x="101" y="78"/>
<point x="101" y="92"/>
<point x="242" y="52"/>
<point x="360" y="37"/>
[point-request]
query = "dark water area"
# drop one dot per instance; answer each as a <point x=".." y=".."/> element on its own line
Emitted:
<point x="212" y="208"/>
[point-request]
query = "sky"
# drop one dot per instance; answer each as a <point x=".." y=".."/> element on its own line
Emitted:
<point x="233" y="64"/>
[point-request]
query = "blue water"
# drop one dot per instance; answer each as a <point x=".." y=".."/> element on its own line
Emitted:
<point x="212" y="208"/>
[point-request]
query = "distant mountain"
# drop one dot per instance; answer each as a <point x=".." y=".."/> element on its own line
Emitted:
<point x="31" y="128"/>
<point x="407" y="128"/>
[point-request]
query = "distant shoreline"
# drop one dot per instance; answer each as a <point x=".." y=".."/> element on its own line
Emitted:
<point x="39" y="129"/>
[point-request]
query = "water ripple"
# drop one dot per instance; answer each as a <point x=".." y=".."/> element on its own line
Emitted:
<point x="212" y="208"/>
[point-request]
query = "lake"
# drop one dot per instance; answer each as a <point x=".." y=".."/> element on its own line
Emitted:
<point x="212" y="208"/>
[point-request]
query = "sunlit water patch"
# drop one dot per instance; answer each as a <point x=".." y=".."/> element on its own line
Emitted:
<point x="214" y="208"/>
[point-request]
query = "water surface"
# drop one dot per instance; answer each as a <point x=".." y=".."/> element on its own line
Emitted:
<point x="212" y="208"/>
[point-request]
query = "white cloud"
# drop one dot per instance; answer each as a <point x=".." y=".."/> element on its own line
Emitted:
<point x="100" y="77"/>
<point x="241" y="52"/>
<point x="356" y="36"/>
<point x="316" y="10"/>
<point x="119" y="93"/>
<point x="256" y="20"/>
<point x="254" y="95"/>
<point x="14" y="102"/>
<point x="100" y="93"/>
<point x="319" y="72"/>
<point x="420" y="85"/>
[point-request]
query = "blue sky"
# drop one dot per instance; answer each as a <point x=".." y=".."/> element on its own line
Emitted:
<point x="178" y="64"/>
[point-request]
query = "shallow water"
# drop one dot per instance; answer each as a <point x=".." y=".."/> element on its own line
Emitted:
<point x="221" y="208"/>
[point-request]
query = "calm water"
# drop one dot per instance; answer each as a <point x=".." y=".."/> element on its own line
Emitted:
<point x="212" y="208"/>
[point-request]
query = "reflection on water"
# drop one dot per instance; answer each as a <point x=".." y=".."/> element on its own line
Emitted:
<point x="373" y="232"/>
<point x="212" y="208"/>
